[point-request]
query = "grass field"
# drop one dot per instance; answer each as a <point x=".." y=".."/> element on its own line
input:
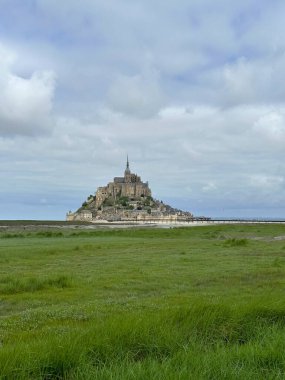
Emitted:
<point x="185" y="303"/>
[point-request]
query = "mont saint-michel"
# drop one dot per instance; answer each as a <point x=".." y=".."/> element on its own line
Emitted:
<point x="126" y="198"/>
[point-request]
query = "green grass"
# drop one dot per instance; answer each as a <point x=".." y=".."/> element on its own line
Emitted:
<point x="187" y="303"/>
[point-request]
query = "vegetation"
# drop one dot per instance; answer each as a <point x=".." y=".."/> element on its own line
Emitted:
<point x="185" y="303"/>
<point x="142" y="203"/>
<point x="149" y="201"/>
<point x="123" y="201"/>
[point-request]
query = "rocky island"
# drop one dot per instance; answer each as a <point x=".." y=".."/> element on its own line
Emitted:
<point x="126" y="198"/>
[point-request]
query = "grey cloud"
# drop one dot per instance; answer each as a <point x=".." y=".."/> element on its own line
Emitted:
<point x="138" y="95"/>
<point x="25" y="103"/>
<point x="254" y="81"/>
<point x="180" y="151"/>
<point x="191" y="90"/>
<point x="197" y="48"/>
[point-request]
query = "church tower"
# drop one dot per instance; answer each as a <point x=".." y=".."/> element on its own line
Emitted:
<point x="127" y="172"/>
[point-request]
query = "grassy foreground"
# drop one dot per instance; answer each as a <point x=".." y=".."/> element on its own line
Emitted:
<point x="185" y="303"/>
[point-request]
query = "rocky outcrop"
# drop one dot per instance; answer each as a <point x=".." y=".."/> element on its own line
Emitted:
<point x="126" y="199"/>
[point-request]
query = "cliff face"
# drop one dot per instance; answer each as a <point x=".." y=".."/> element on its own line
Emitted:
<point x="126" y="198"/>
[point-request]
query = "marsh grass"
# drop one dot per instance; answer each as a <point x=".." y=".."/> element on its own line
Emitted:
<point x="49" y="234"/>
<point x="201" y="303"/>
<point x="12" y="285"/>
<point x="7" y="235"/>
<point x="236" y="242"/>
<point x="207" y="341"/>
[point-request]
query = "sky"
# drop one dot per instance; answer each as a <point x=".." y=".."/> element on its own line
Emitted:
<point x="193" y="91"/>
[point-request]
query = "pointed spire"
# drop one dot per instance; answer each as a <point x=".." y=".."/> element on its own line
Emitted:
<point x="127" y="170"/>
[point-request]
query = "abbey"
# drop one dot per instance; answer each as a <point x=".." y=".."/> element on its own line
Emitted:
<point x="129" y="186"/>
<point x="126" y="198"/>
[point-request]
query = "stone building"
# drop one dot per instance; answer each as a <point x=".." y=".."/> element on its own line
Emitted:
<point x="126" y="198"/>
<point x="129" y="186"/>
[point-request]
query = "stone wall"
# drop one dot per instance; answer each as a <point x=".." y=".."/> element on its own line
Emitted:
<point x="128" y="186"/>
<point x="83" y="216"/>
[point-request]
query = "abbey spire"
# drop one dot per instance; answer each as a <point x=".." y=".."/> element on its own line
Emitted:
<point x="127" y="171"/>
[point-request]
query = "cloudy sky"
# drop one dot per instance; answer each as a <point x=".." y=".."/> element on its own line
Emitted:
<point x="192" y="90"/>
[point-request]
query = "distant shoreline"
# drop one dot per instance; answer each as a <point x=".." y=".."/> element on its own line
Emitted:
<point x="30" y="224"/>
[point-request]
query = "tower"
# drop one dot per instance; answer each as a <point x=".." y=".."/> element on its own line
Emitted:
<point x="127" y="171"/>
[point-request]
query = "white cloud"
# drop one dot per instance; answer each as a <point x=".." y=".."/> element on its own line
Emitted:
<point x="7" y="57"/>
<point x="266" y="182"/>
<point x="209" y="187"/>
<point x="139" y="95"/>
<point x="254" y="81"/>
<point x="25" y="103"/>
<point x="271" y="126"/>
